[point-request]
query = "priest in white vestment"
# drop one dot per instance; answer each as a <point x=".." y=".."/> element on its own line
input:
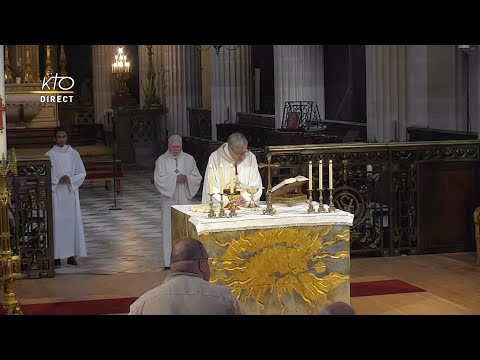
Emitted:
<point x="177" y="179"/>
<point x="233" y="158"/>
<point x="68" y="173"/>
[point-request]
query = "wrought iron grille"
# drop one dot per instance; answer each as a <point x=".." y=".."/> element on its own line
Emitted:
<point x="30" y="217"/>
<point x="375" y="182"/>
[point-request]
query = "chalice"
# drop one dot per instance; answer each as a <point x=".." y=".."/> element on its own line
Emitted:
<point x="252" y="191"/>
<point x="232" y="204"/>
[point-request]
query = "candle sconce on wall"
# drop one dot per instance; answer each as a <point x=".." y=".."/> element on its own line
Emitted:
<point x="121" y="72"/>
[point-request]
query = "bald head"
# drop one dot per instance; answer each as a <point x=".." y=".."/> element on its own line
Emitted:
<point x="187" y="250"/>
<point x="337" y="308"/>
<point x="189" y="255"/>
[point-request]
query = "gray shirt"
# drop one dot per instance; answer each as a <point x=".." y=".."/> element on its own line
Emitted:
<point x="184" y="293"/>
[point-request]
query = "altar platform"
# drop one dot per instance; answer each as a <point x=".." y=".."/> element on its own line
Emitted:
<point x="289" y="263"/>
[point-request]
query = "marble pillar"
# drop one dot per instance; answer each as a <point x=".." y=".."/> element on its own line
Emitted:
<point x="103" y="86"/>
<point x="411" y="85"/>
<point x="298" y="72"/>
<point x="142" y="71"/>
<point x="183" y="85"/>
<point x="441" y="87"/>
<point x="231" y="79"/>
<point x="417" y="87"/>
<point x="386" y="92"/>
<point x="475" y="90"/>
<point x="473" y="58"/>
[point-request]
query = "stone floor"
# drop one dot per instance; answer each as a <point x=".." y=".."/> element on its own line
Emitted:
<point x="120" y="241"/>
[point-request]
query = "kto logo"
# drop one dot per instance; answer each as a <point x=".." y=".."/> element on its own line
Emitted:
<point x="59" y="85"/>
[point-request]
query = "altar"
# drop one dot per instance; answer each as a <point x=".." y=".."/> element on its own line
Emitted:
<point x="288" y="263"/>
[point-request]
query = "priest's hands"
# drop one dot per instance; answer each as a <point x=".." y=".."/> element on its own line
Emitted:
<point x="181" y="178"/>
<point x="64" y="180"/>
<point x="241" y="201"/>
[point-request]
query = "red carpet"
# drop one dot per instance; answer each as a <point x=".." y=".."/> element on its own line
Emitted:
<point x="381" y="287"/>
<point x="84" y="307"/>
<point x="122" y="305"/>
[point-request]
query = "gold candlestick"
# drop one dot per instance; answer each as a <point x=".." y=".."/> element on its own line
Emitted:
<point x="211" y="212"/>
<point x="310" y="205"/>
<point x="331" y="208"/>
<point x="321" y="208"/>
<point x="221" y="213"/>
<point x="9" y="264"/>
<point x="28" y="77"/>
<point x="48" y="64"/>
<point x="232" y="203"/>
<point x="8" y="70"/>
<point x="269" y="210"/>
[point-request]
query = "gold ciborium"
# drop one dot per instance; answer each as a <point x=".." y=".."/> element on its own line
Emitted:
<point x="252" y="191"/>
<point x="232" y="201"/>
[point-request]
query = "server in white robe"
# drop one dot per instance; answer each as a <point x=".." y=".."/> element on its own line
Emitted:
<point x="235" y="161"/>
<point x="68" y="174"/>
<point x="177" y="179"/>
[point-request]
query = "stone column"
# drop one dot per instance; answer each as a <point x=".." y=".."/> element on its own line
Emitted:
<point x="411" y="85"/>
<point x="441" y="87"/>
<point x="142" y="71"/>
<point x="475" y="93"/>
<point x="473" y="59"/>
<point x="417" y="87"/>
<point x="298" y="72"/>
<point x="386" y="92"/>
<point x="231" y="79"/>
<point x="206" y="92"/>
<point x="3" y="101"/>
<point x="103" y="87"/>
<point x="183" y="81"/>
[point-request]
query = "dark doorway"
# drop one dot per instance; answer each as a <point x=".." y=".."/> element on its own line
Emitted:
<point x="263" y="63"/>
<point x="345" y="85"/>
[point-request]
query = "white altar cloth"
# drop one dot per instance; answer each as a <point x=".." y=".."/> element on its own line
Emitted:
<point x="248" y="219"/>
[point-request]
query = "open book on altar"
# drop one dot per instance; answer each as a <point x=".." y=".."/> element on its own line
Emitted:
<point x="285" y="191"/>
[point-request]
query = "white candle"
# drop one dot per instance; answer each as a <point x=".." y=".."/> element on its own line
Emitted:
<point x="310" y="175"/>
<point x="231" y="178"/>
<point x="221" y="178"/>
<point x="330" y="174"/>
<point x="210" y="179"/>
<point x="320" y="175"/>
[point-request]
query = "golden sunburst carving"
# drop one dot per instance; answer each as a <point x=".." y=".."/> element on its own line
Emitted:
<point x="280" y="268"/>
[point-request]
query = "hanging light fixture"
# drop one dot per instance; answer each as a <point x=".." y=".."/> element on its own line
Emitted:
<point x="121" y="72"/>
<point x="217" y="47"/>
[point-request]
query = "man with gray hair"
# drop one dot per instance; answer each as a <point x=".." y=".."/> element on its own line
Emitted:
<point x="235" y="162"/>
<point x="187" y="290"/>
<point x="177" y="179"/>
